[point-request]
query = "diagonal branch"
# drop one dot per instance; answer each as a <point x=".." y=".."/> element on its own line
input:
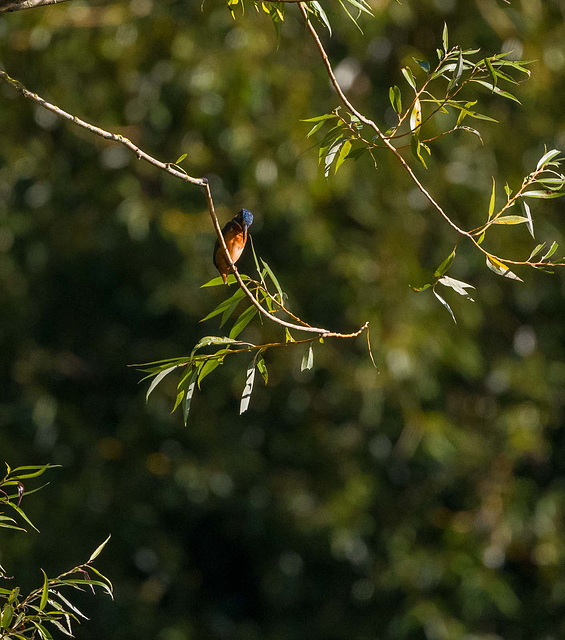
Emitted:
<point x="18" y="5"/>
<point x="370" y="123"/>
<point x="175" y="171"/>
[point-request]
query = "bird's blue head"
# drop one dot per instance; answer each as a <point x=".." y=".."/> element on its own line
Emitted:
<point x="246" y="217"/>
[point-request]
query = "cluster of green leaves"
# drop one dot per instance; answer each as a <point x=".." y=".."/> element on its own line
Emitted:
<point x="438" y="92"/>
<point x="545" y="182"/>
<point x="198" y="365"/>
<point x="276" y="10"/>
<point x="46" y="608"/>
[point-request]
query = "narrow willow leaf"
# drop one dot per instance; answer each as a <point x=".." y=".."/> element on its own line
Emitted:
<point x="445" y="37"/>
<point x="492" y="199"/>
<point x="157" y="379"/>
<point x="501" y="269"/>
<point x="288" y="335"/>
<point x="458" y="72"/>
<point x="543" y="194"/>
<point x="181" y="158"/>
<point x="262" y="368"/>
<point x="235" y="300"/>
<point x="225" y="305"/>
<point x="473" y="131"/>
<point x="44" y="592"/>
<point x="322" y="15"/>
<point x="444" y="303"/>
<point x="307" y="359"/>
<point x="536" y="250"/>
<point x="248" y="389"/>
<point x="189" y="393"/>
<point x="315" y="128"/>
<point x="416" y="117"/>
<point x="444" y="266"/>
<point x="326" y="116"/>
<point x="209" y="365"/>
<point x="547" y="157"/>
<point x="457" y="285"/>
<point x="395" y="97"/>
<point x="416" y="148"/>
<point x="215" y="282"/>
<point x="510" y="220"/>
<point x="99" y="550"/>
<point x="497" y="90"/>
<point x="45" y="635"/>
<point x="529" y="220"/>
<point x="243" y="320"/>
<point x="407" y="73"/>
<point x="343" y="153"/>
<point x="481" y="237"/>
<point x="551" y="251"/>
<point x="209" y="340"/>
<point x="331" y="154"/>
<point x="6" y="616"/>
<point x="370" y="350"/>
<point x="274" y="280"/>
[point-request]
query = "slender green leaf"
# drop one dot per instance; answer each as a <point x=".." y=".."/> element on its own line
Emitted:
<point x="445" y="37"/>
<point x="537" y="250"/>
<point x="274" y="280"/>
<point x="343" y="153"/>
<point x="395" y="97"/>
<point x="99" y="549"/>
<point x="243" y="320"/>
<point x="529" y="220"/>
<point x="551" y="251"/>
<point x="492" y="199"/>
<point x="213" y="340"/>
<point x="497" y="90"/>
<point x="326" y="116"/>
<point x="181" y="158"/>
<point x="215" y="282"/>
<point x="407" y="73"/>
<point x="44" y="592"/>
<point x="322" y="15"/>
<point x="549" y="155"/>
<point x="262" y="367"/>
<point x="457" y="285"/>
<point x="510" y="220"/>
<point x="543" y="194"/>
<point x="444" y="266"/>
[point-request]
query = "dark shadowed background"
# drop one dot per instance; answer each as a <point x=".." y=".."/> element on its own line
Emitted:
<point x="424" y="502"/>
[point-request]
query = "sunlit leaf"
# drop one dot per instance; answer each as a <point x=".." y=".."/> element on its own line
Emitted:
<point x="248" y="389"/>
<point x="274" y="280"/>
<point x="99" y="550"/>
<point x="457" y="285"/>
<point x="181" y="158"/>
<point x="416" y="116"/>
<point x="444" y="266"/>
<point x="543" y="194"/>
<point x="445" y="37"/>
<point x="501" y="269"/>
<point x="189" y="393"/>
<point x="157" y="379"/>
<point x="551" y="251"/>
<point x="492" y="199"/>
<point x="529" y="220"/>
<point x="262" y="367"/>
<point x="497" y="90"/>
<point x="209" y="340"/>
<point x="307" y="359"/>
<point x="343" y="153"/>
<point x="395" y="97"/>
<point x="537" y="250"/>
<point x="444" y="303"/>
<point x="547" y="157"/>
<point x="407" y="73"/>
<point x="510" y="220"/>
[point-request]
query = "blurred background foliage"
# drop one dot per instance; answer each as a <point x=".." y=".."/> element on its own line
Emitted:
<point x="424" y="502"/>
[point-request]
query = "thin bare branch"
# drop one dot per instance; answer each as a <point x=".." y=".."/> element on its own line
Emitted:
<point x="370" y="123"/>
<point x="18" y="5"/>
<point x="175" y="171"/>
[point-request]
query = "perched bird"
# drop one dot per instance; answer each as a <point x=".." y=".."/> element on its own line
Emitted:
<point x="235" y="236"/>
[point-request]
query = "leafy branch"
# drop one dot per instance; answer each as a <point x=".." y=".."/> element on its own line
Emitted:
<point x="28" y="617"/>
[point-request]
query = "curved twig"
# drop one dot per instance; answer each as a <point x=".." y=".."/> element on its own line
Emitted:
<point x="175" y="171"/>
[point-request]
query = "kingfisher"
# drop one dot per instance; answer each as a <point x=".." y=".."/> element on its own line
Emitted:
<point x="235" y="236"/>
